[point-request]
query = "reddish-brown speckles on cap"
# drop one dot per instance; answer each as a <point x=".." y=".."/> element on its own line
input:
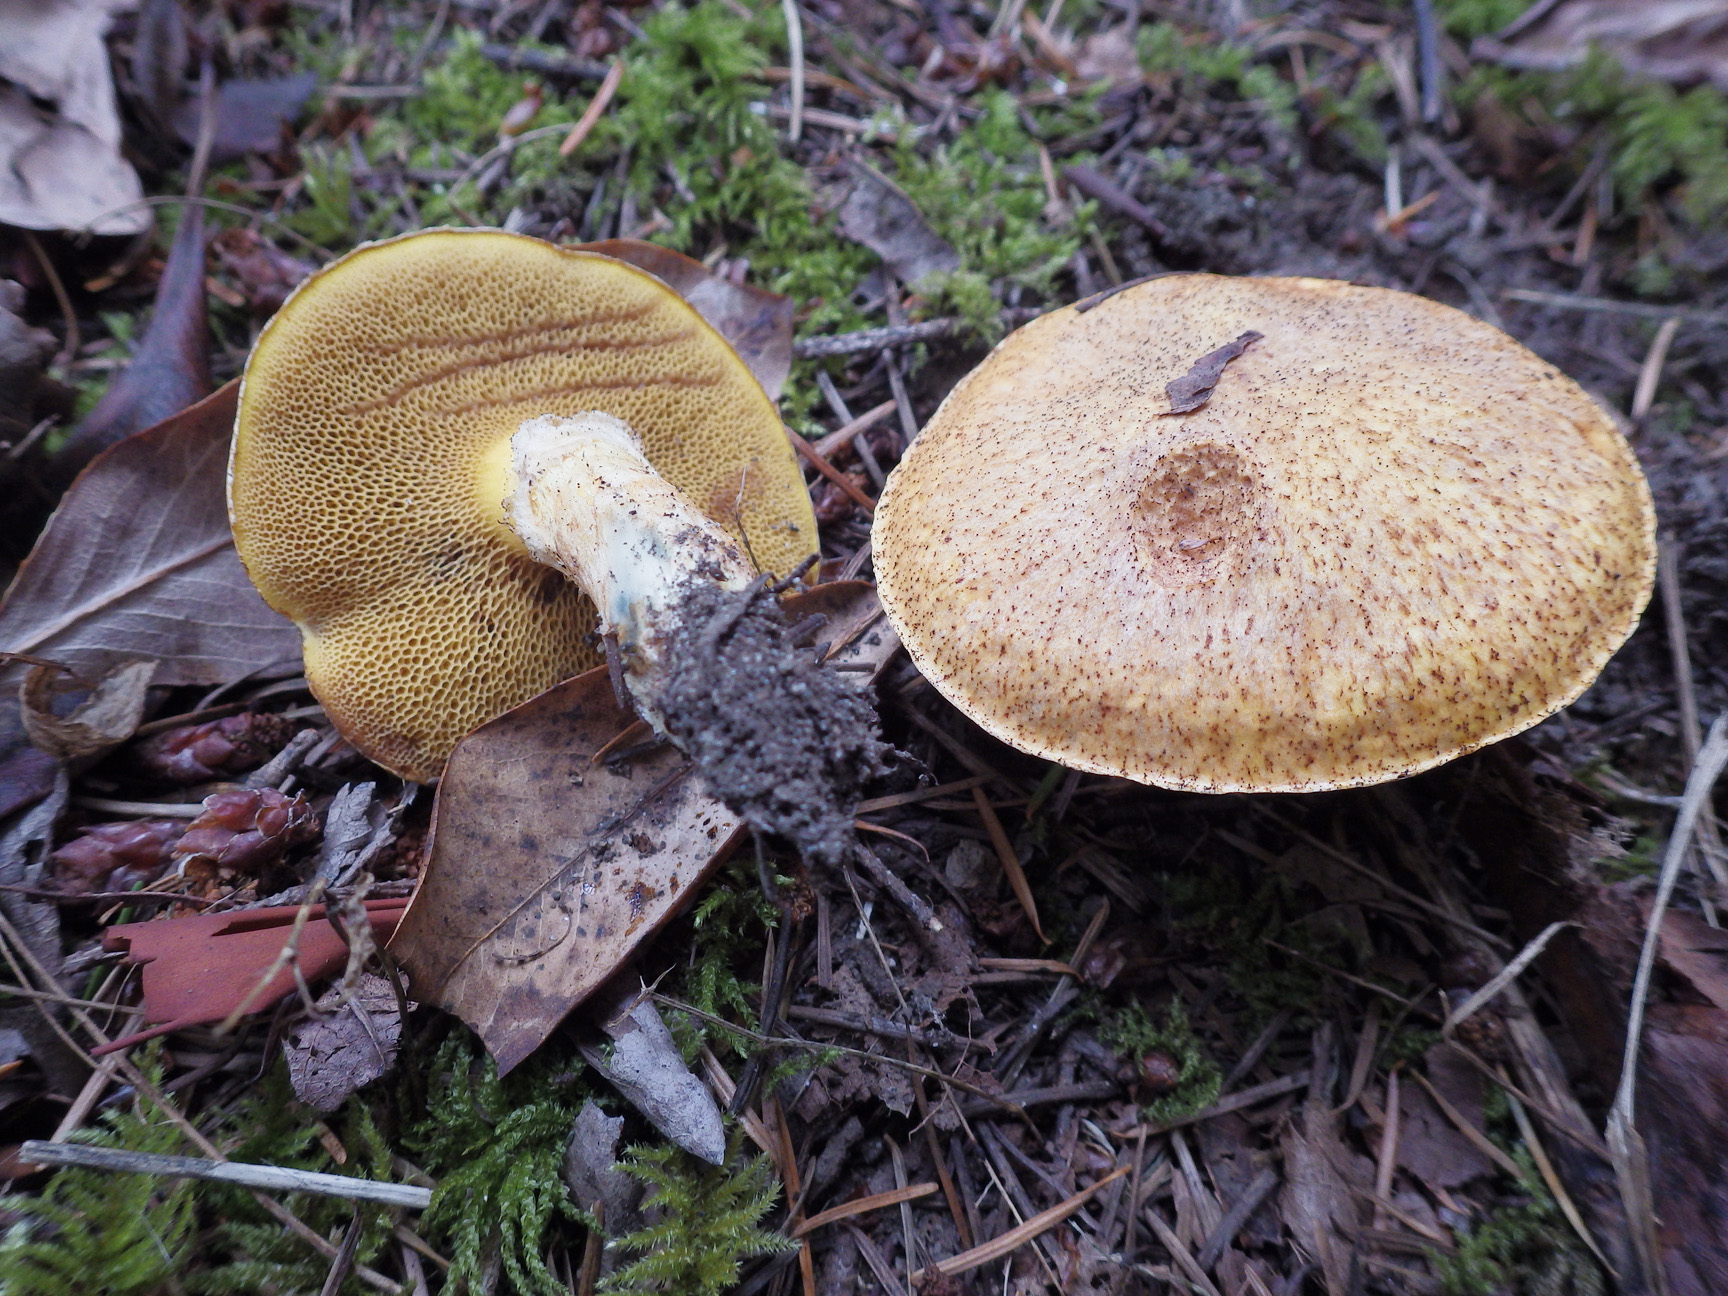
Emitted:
<point x="1393" y="535"/>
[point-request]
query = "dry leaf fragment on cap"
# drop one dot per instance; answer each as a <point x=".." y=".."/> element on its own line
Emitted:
<point x="1194" y="388"/>
<point x="1391" y="536"/>
<point x="372" y="461"/>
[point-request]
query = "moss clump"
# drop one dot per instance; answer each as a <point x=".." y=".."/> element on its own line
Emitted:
<point x="984" y="193"/>
<point x="497" y="1147"/>
<point x="1131" y="1032"/>
<point x="272" y="1128"/>
<point x="707" y="1221"/>
<point x="95" y="1231"/>
<point x="1520" y="1246"/>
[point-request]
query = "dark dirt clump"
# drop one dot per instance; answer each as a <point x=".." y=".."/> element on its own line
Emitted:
<point x="780" y="738"/>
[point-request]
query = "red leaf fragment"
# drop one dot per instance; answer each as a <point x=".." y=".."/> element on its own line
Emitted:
<point x="198" y="969"/>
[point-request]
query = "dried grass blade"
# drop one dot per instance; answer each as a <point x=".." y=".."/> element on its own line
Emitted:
<point x="861" y="1206"/>
<point x="1504" y="977"/>
<point x="1010" y="862"/>
<point x="1545" y="1168"/>
<point x="1625" y="1145"/>
<point x="591" y="115"/>
<point x="1017" y="1237"/>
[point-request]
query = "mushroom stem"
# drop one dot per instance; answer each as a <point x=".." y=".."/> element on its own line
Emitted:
<point x="588" y="503"/>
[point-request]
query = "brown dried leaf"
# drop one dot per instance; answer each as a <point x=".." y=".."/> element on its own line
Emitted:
<point x="757" y="323"/>
<point x="1430" y="1146"/>
<point x="104" y="719"/>
<point x="1681" y="41"/>
<point x="138" y="562"/>
<point x="60" y="162"/>
<point x="169" y="371"/>
<point x="546" y="871"/>
<point x="351" y="1045"/>
<point x="1194" y="388"/>
<point x="881" y="216"/>
<point x="250" y="114"/>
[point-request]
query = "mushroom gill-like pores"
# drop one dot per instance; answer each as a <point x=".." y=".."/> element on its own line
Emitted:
<point x="1390" y="537"/>
<point x="372" y="465"/>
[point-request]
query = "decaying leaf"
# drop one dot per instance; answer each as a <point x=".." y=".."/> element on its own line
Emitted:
<point x="880" y="215"/>
<point x="644" y="1065"/>
<point x="138" y="562"/>
<point x="597" y="1184"/>
<point x="24" y="354"/>
<point x="757" y="323"/>
<point x="199" y="969"/>
<point x="546" y="870"/>
<point x="250" y="114"/>
<point x="1318" y="1207"/>
<point x="104" y="719"/>
<point x="60" y="162"/>
<point x="1194" y="388"/>
<point x="170" y="369"/>
<point x="349" y="1043"/>
<point x="1680" y="41"/>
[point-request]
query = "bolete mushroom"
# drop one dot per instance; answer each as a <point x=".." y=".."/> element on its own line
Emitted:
<point x="1391" y="536"/>
<point x="372" y="473"/>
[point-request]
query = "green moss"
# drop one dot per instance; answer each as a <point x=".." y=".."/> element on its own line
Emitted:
<point x="1217" y="69"/>
<point x="709" y="1221"/>
<point x="1662" y="145"/>
<point x="251" y="1251"/>
<point x="1519" y="1246"/>
<point x="1131" y="1032"/>
<point x="1468" y="19"/>
<point x="497" y="1149"/>
<point x="95" y="1231"/>
<point x="984" y="193"/>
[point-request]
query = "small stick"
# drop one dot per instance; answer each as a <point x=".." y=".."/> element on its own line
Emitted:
<point x="832" y="473"/>
<point x="916" y="907"/>
<point x="596" y="106"/>
<point x="273" y="1178"/>
<point x="1651" y="371"/>
<point x="842" y="436"/>
<point x="795" y="58"/>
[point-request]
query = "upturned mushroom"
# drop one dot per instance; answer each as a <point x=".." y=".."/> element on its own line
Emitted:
<point x="377" y="501"/>
<point x="1390" y="536"/>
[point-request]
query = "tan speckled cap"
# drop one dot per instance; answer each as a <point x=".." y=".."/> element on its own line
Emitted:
<point x="372" y="457"/>
<point x="1392" y="536"/>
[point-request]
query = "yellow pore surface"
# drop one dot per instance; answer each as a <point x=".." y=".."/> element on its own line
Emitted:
<point x="1392" y="536"/>
<point x="371" y="459"/>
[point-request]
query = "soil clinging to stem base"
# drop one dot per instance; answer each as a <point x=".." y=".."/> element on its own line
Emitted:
<point x="779" y="737"/>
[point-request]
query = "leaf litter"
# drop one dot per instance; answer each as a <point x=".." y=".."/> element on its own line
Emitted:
<point x="1459" y="852"/>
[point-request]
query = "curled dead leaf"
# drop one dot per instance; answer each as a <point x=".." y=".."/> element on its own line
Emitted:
<point x="104" y="719"/>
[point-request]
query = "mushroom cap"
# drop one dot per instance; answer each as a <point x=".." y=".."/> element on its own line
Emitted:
<point x="1392" y="536"/>
<point x="371" y="460"/>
